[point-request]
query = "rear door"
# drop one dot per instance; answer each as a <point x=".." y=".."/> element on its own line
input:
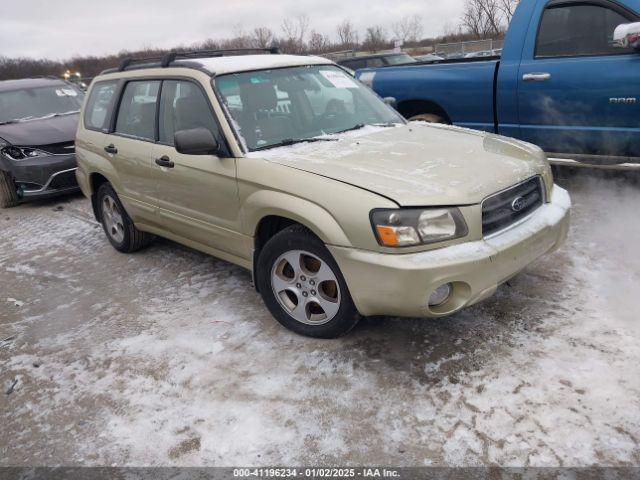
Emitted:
<point x="197" y="195"/>
<point x="572" y="78"/>
<point x="130" y="148"/>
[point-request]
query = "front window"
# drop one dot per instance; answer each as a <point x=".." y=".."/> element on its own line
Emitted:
<point x="578" y="30"/>
<point x="41" y="102"/>
<point x="279" y="107"/>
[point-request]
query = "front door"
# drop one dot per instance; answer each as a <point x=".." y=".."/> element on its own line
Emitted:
<point x="577" y="92"/>
<point x="197" y="195"/>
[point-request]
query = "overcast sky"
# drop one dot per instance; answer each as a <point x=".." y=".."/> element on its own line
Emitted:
<point x="60" y="29"/>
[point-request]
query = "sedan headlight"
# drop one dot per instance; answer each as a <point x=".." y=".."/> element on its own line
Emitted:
<point x="411" y="227"/>
<point x="22" y="153"/>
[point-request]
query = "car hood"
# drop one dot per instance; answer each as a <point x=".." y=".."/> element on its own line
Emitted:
<point x="418" y="164"/>
<point x="45" y="131"/>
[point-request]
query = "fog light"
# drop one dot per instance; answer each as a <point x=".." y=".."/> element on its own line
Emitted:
<point x="440" y="295"/>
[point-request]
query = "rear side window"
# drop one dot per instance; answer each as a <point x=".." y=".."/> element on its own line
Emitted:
<point x="95" y="113"/>
<point x="375" y="63"/>
<point x="354" y="64"/>
<point x="184" y="107"/>
<point x="137" y="112"/>
<point x="578" y="30"/>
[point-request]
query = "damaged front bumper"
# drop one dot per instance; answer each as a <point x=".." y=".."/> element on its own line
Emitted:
<point x="43" y="176"/>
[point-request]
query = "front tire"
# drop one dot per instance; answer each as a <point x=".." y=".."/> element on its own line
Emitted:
<point x="303" y="287"/>
<point x="119" y="228"/>
<point x="8" y="191"/>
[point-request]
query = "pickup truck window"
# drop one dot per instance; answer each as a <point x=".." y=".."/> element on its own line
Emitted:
<point x="578" y="30"/>
<point x="276" y="107"/>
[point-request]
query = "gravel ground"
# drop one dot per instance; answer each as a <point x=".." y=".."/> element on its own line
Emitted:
<point x="168" y="357"/>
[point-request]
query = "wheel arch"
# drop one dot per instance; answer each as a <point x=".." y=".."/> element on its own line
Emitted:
<point x="96" y="180"/>
<point x="411" y="108"/>
<point x="266" y="213"/>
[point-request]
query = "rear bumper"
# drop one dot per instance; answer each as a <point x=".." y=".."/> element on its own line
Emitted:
<point x="383" y="284"/>
<point x="45" y="176"/>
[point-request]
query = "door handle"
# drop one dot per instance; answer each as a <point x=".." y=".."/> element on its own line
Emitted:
<point x="536" y="77"/>
<point x="111" y="149"/>
<point x="165" y="162"/>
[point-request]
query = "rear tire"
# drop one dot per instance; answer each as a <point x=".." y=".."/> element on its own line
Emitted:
<point x="8" y="191"/>
<point x="117" y="225"/>
<point x="429" y="118"/>
<point x="302" y="286"/>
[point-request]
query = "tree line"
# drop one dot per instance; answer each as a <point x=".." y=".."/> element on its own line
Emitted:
<point x="481" y="19"/>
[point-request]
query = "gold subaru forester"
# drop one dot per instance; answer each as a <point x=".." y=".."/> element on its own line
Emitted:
<point x="288" y="166"/>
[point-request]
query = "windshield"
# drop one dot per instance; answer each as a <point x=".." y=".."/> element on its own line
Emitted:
<point x="279" y="107"/>
<point x="399" y="59"/>
<point x="30" y="103"/>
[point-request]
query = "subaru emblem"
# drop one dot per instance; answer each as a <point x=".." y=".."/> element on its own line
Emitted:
<point x="518" y="204"/>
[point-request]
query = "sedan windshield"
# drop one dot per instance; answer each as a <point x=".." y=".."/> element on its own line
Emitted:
<point x="280" y="107"/>
<point x="32" y="103"/>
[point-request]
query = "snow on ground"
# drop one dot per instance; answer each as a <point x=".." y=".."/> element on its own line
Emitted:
<point x="168" y="357"/>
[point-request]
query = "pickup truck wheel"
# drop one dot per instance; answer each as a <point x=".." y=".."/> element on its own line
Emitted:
<point x="302" y="286"/>
<point x="120" y="230"/>
<point x="8" y="191"/>
<point x="428" y="117"/>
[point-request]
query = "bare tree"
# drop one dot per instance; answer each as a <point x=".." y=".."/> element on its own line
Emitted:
<point x="295" y="31"/>
<point x="347" y="34"/>
<point x="508" y="8"/>
<point x="375" y="39"/>
<point x="262" y="37"/>
<point x="408" y="28"/>
<point x="483" y="18"/>
<point x="318" y="43"/>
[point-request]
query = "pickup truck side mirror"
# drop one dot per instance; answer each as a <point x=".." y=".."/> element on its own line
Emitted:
<point x="196" y="141"/>
<point x="627" y="35"/>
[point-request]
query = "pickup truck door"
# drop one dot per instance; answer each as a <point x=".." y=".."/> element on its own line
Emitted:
<point x="197" y="195"/>
<point x="577" y="93"/>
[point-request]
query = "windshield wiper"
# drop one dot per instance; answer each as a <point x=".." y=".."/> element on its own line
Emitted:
<point x="360" y="126"/>
<point x="53" y="115"/>
<point x="292" y="141"/>
<point x="16" y="120"/>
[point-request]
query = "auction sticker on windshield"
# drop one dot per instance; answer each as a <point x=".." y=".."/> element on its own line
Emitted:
<point x="338" y="79"/>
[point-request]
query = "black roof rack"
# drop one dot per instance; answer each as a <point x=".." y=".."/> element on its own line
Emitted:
<point x="170" y="57"/>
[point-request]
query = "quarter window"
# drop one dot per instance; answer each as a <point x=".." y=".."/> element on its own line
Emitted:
<point x="95" y="116"/>
<point x="184" y="107"/>
<point x="578" y="30"/>
<point x="137" y="113"/>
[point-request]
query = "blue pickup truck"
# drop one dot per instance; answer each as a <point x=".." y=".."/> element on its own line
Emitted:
<point x="563" y="82"/>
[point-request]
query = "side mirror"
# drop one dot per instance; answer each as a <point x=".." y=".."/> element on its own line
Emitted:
<point x="196" y="141"/>
<point x="627" y="35"/>
<point x="391" y="101"/>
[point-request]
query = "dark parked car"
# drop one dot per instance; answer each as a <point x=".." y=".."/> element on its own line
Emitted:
<point x="38" y="120"/>
<point x="376" y="61"/>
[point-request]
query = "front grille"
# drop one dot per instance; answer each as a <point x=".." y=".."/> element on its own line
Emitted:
<point x="509" y="206"/>
<point x="65" y="148"/>
<point x="64" y="180"/>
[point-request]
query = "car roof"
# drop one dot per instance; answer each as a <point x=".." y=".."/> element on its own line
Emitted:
<point x="369" y="57"/>
<point x="9" y="85"/>
<point x="220" y="65"/>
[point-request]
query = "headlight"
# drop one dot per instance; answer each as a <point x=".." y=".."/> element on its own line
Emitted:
<point x="410" y="227"/>
<point x="22" y="153"/>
